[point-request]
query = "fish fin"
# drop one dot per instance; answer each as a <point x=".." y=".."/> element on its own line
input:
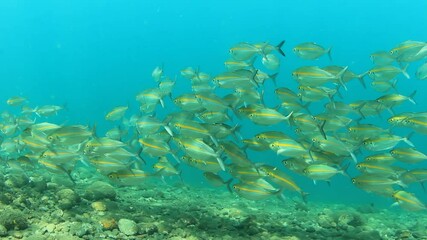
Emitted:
<point x="279" y="48"/>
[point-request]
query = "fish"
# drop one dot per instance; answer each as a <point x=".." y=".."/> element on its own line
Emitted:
<point x="268" y="116"/>
<point x="254" y="192"/>
<point x="237" y="78"/>
<point x="244" y="51"/>
<point x="16" y="101"/>
<point x="386" y="72"/>
<point x="375" y="183"/>
<point x="267" y="48"/>
<point x="130" y="176"/>
<point x="408" y="51"/>
<point x="197" y="148"/>
<point x="154" y="147"/>
<point x="285" y="94"/>
<point x="282" y="179"/>
<point x="408" y="201"/>
<point x="384" y="142"/>
<point x="232" y="64"/>
<point x="117" y="113"/>
<point x="157" y="73"/>
<point x="384" y="86"/>
<point x="189" y="102"/>
<point x="323" y="171"/>
<point x="421" y="73"/>
<point x="311" y="51"/>
<point x="48" y="110"/>
<point x="408" y="155"/>
<point x="244" y="173"/>
<point x="381" y="58"/>
<point x="271" y="61"/>
<point x="217" y="181"/>
<point x="314" y="76"/>
<point x="288" y="147"/>
<point x="206" y="164"/>
<point x="381" y="159"/>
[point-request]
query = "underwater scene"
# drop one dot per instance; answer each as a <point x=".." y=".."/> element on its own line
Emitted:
<point x="213" y="119"/>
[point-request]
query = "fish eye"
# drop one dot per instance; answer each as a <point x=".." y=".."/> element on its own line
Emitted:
<point x="353" y="180"/>
<point x="358" y="166"/>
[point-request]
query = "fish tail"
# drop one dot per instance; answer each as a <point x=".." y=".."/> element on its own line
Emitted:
<point x="253" y="78"/>
<point x="279" y="48"/>
<point x="273" y="77"/>
<point x="361" y="79"/>
<point x="329" y="53"/>
<point x="304" y="196"/>
<point x="404" y="71"/>
<point x="340" y="75"/>
<point x="407" y="139"/>
<point x="393" y="85"/>
<point x="168" y="130"/>
<point x="322" y="130"/>
<point x="411" y="97"/>
<point x="228" y="184"/>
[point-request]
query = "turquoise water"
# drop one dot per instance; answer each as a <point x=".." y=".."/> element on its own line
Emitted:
<point x="96" y="55"/>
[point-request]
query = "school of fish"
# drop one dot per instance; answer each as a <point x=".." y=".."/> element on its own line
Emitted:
<point x="321" y="134"/>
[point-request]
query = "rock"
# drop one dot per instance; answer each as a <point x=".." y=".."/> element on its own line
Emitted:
<point x="67" y="199"/>
<point x="128" y="227"/>
<point x="13" y="219"/>
<point x="100" y="190"/>
<point x="108" y="223"/>
<point x="80" y="229"/>
<point x="369" y="235"/>
<point x="326" y="221"/>
<point x="50" y="228"/>
<point x="17" y="180"/>
<point x="3" y="231"/>
<point x="99" y="206"/>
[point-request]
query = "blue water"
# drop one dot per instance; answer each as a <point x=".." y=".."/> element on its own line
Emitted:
<point x="95" y="55"/>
